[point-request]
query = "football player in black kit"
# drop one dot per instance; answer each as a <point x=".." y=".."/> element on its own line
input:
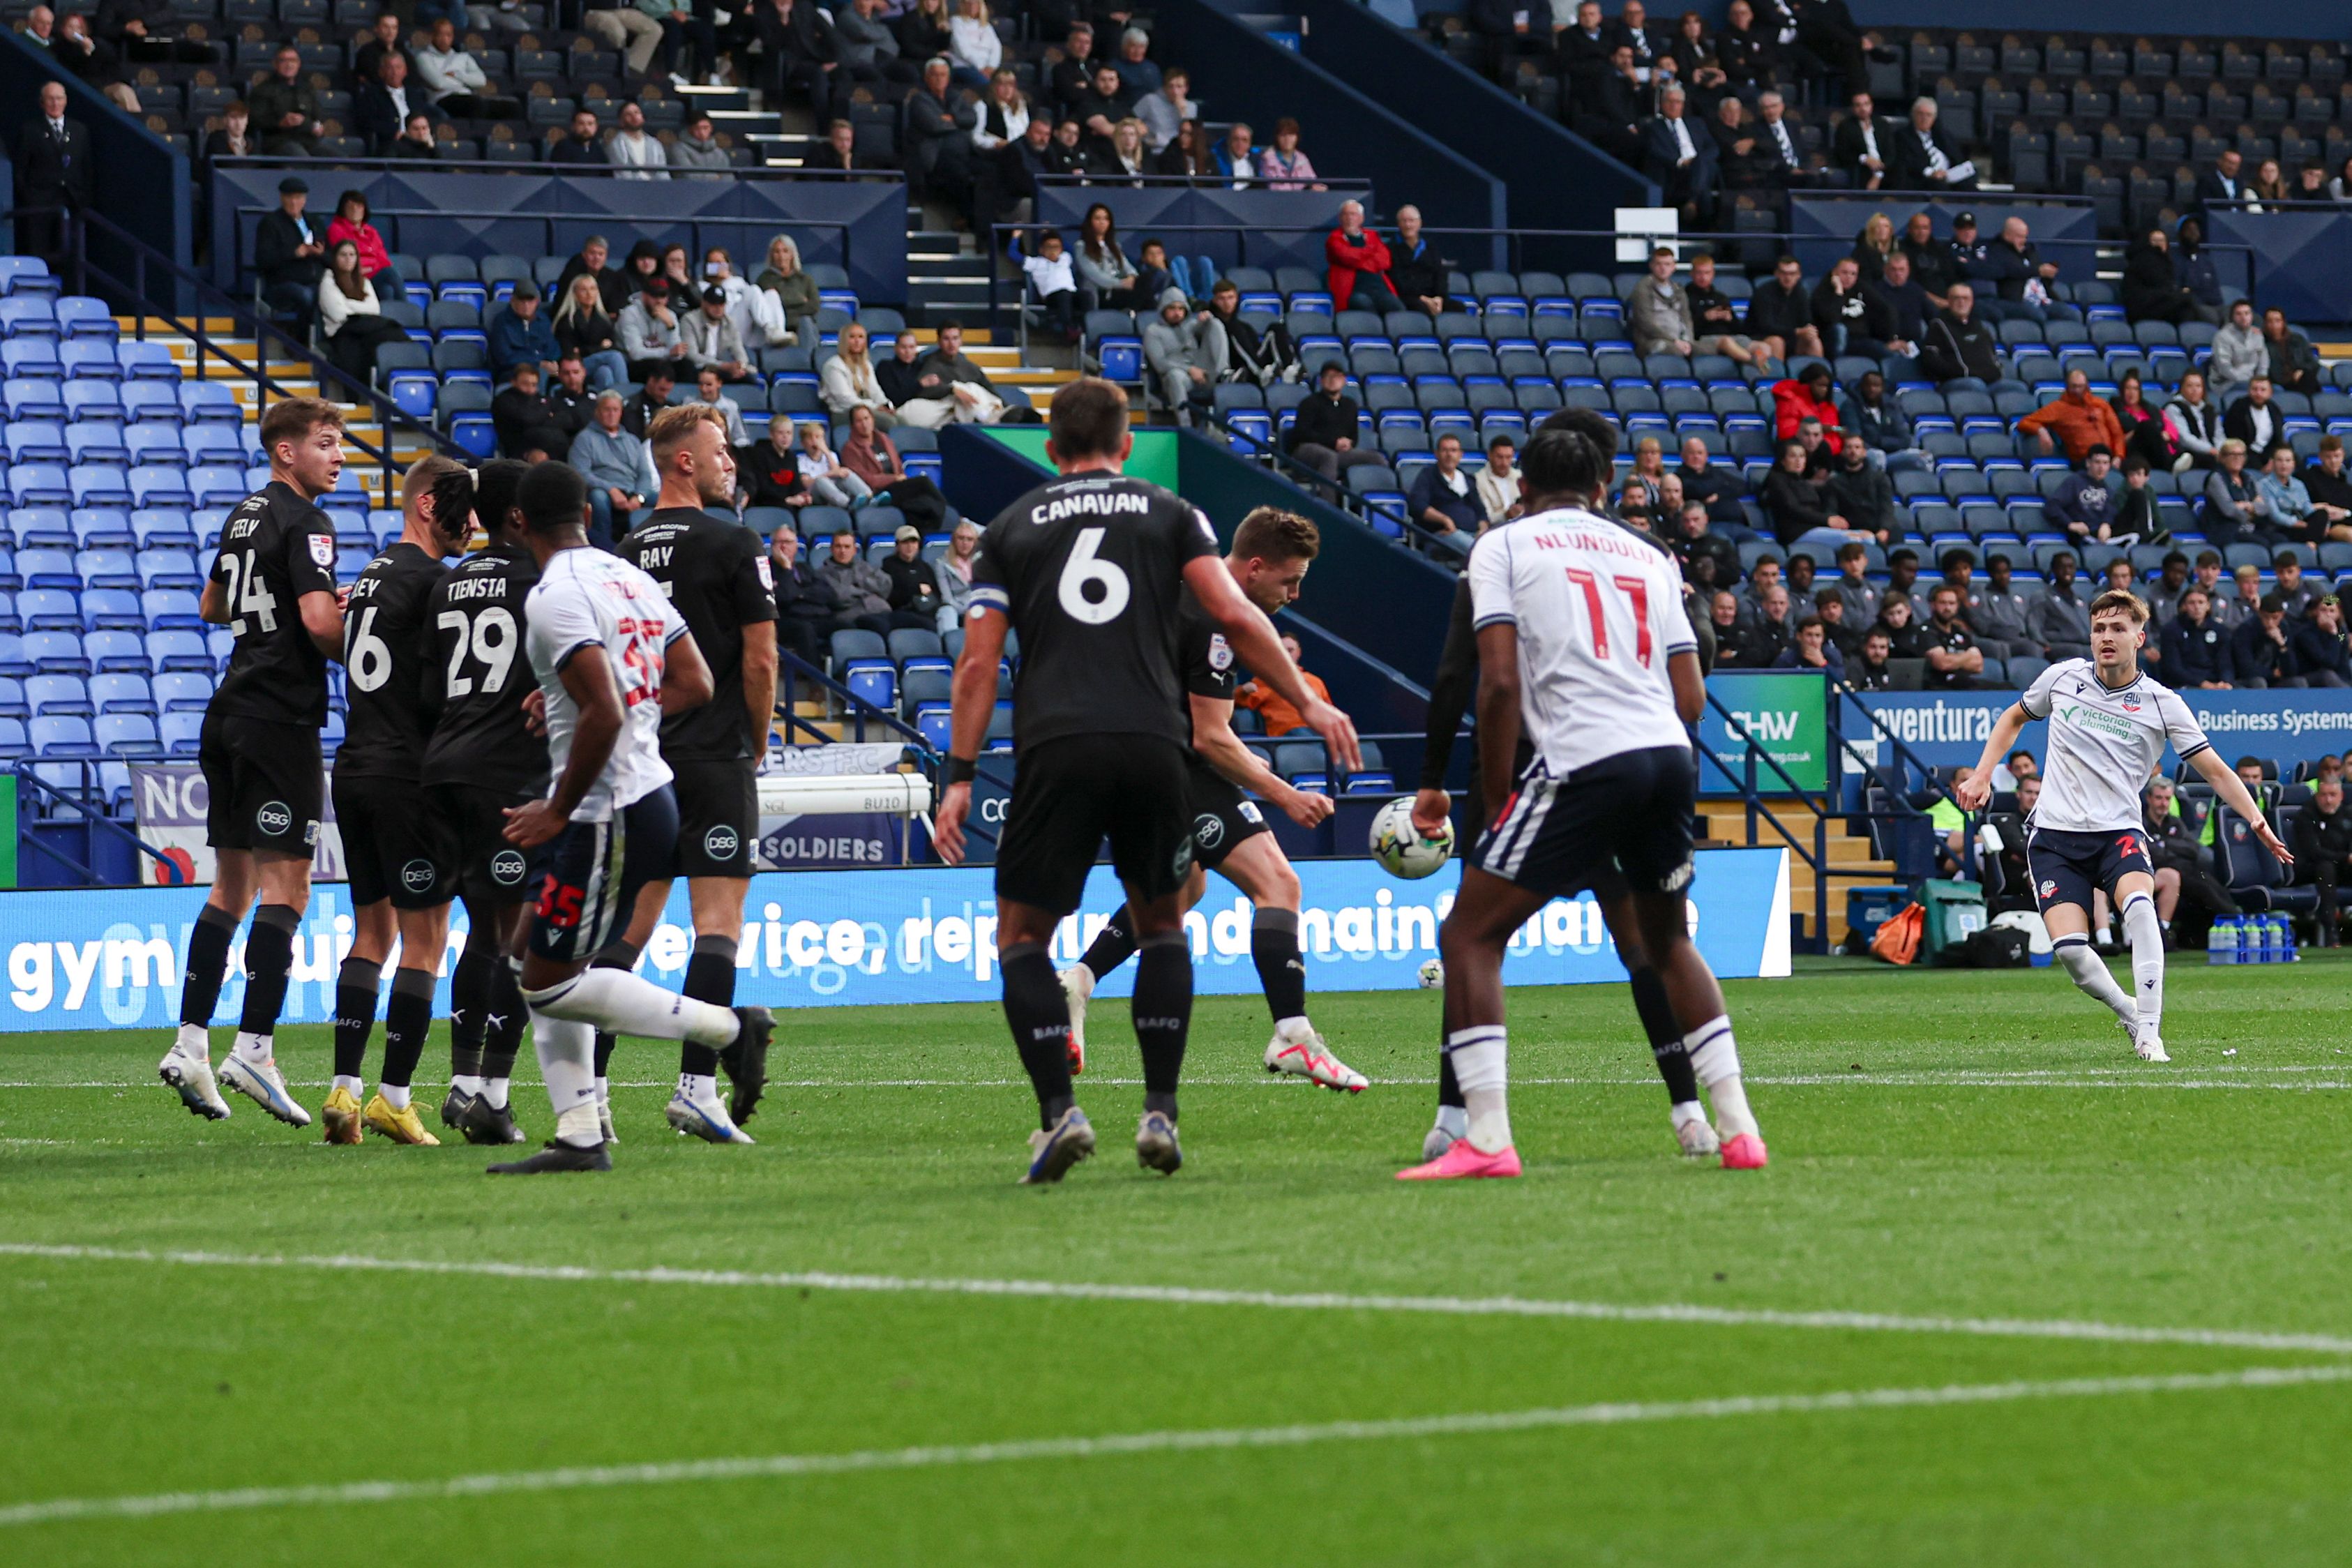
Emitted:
<point x="272" y="583"/>
<point x="1087" y="569"/>
<point x="717" y="575"/>
<point x="1272" y="549"/>
<point x="482" y="761"/>
<point x="398" y="884"/>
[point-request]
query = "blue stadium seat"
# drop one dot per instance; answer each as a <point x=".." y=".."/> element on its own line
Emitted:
<point x="177" y="650"/>
<point x="126" y="735"/>
<point x="182" y="733"/>
<point x="62" y="737"/>
<point x="56" y="696"/>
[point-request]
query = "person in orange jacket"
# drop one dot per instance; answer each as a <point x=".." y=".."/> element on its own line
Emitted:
<point x="1270" y="705"/>
<point x="1805" y="398"/>
<point x="2079" y="420"/>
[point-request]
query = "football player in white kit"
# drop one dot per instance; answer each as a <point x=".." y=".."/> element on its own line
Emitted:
<point x="2109" y="727"/>
<point x="1582" y="637"/>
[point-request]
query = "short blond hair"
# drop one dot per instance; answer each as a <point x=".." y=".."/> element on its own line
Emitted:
<point x="674" y="427"/>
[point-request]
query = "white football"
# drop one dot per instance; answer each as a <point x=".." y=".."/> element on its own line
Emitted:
<point x="1433" y="975"/>
<point x="1400" y="848"/>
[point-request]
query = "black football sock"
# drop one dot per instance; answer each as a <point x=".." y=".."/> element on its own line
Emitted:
<point x="1449" y="1087"/>
<point x="1163" y="1014"/>
<point x="503" y="1023"/>
<point x="200" y="988"/>
<point x="355" y="986"/>
<point x="407" y="1019"/>
<point x="469" y="1000"/>
<point x="616" y="955"/>
<point x="1665" y="1037"/>
<point x="710" y="977"/>
<point x="1039" y="1015"/>
<point x="1113" y="945"/>
<point x="1281" y="972"/>
<point x="268" y="957"/>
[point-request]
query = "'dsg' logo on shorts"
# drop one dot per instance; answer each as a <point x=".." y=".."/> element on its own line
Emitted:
<point x="416" y="876"/>
<point x="722" y="842"/>
<point x="274" y="817"/>
<point x="1208" y="830"/>
<point x="507" y="867"/>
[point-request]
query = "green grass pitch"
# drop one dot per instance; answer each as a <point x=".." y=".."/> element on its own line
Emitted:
<point x="1960" y="1162"/>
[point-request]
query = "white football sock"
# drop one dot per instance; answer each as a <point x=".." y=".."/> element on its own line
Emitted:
<point x="567" y="1058"/>
<point x="1686" y="1113"/>
<point x="2090" y="972"/>
<point x="1453" y="1120"/>
<point x="465" y="1083"/>
<point x="698" y="1087"/>
<point x="605" y="1091"/>
<point x="394" y="1095"/>
<point x="626" y="1003"/>
<point x="345" y="1080"/>
<point x="494" y="1091"/>
<point x="1481" y="1056"/>
<point x="255" y="1051"/>
<point x="580" y="1128"/>
<point x="2147" y="933"/>
<point x="1294" y="1031"/>
<point x="1715" y="1062"/>
<point x="194" y="1040"/>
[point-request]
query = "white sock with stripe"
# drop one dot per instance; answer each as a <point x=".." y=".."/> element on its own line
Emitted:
<point x="627" y="1004"/>
<point x="1481" y="1057"/>
<point x="567" y="1058"/>
<point x="2089" y="972"/>
<point x="1715" y="1062"/>
<point x="2146" y="934"/>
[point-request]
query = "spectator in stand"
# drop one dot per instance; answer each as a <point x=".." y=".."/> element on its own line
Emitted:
<point x="1072" y="74"/>
<point x="1713" y="319"/>
<point x="802" y="52"/>
<point x="583" y="328"/>
<point x="710" y="390"/>
<point x="840" y="151"/>
<point x="1722" y="620"/>
<point x="1741" y="159"/>
<point x="2147" y="433"/>
<point x="2198" y="273"/>
<point x="1873" y="245"/>
<point x="639" y="410"/>
<point x="1513" y="29"/>
<point x="1124" y="160"/>
<point x="635" y="151"/>
<point x="1416" y="272"/>
<point x="2136" y="513"/>
<point x="864" y="589"/>
<point x="1583" y="51"/>
<point x="1134" y="64"/>
<point x="1185" y="351"/>
<point x="914" y="582"/>
<point x="1499" y="483"/>
<point x="236" y="137"/>
<point x="1630" y="30"/>
<point x="1879" y="426"/>
<point x="849" y="382"/>
<point x="2294" y="592"/>
<point x="2223" y="185"/>
<point x="2330" y="487"/>
<point x="937" y="143"/>
<point x="1923" y="157"/>
<point x="808" y="610"/>
<point x="1717" y="489"/>
<point x="1822" y="443"/>
<point x="613" y="285"/>
<point x="383" y="104"/>
<point x="93" y="60"/>
<point x="974" y="49"/>
<point x="2268" y="188"/>
<point x="1323" y="433"/>
<point x="2196" y="645"/>
<point x="1102" y="106"/>
<point x="954" y="572"/>
<point x="2163" y="590"/>
<point x="578" y="145"/>
<point x="648" y="330"/>
<point x="1780" y="312"/>
<point x="1283" y="166"/>
<point x="2262" y="652"/>
<point x="631" y="33"/>
<point x="1849" y="320"/>
<point x="2289" y="498"/>
<point x="2244" y="597"/>
<point x="2240" y="354"/>
<point x="2322" y="841"/>
<point x="1905" y="304"/>
<point x="1279" y="716"/>
<point x="1930" y="258"/>
<point x="868" y="47"/>
<point x="1868" y="671"/>
<point x="520" y="335"/>
<point x="454" y="81"/>
<point x="528" y="426"/>
<point x="2000" y="614"/>
<point x="1831" y="609"/>
<point x="1854" y="587"/>
<point x="2193" y="423"/>
<point x="1612" y="113"/>
<point x="1804" y="397"/>
<point x="351" y="222"/>
<point x="820" y="471"/>
<point x="285" y="108"/>
<point x="1682" y="157"/>
<point x="2235" y="511"/>
<point x="149" y="31"/>
<point x="2061" y="620"/>
<point x="1957" y="344"/>
<point x="1053" y="282"/>
<point x="870" y="455"/>
<point x="697" y="156"/>
<point x="1859" y="491"/>
<point x="1762" y="638"/>
<point x="1165" y="111"/>
<point x="1900" y="623"/>
<point x="1796" y="502"/>
<point x="948" y="378"/>
<point x="1863" y="143"/>
<point x="1955" y="663"/>
<point x="1262" y="359"/>
<point x="2152" y="289"/>
<point x="795" y="291"/>
<point x="1776" y="144"/>
<point x="1234" y="160"/>
<point x="1358" y="262"/>
<point x="899" y="379"/>
<point x="1748" y="52"/>
<point x="2083" y="504"/>
<point x="1812" y="651"/>
<point x="1443" y="497"/>
<point x="2255" y="420"/>
<point x="2080" y="419"/>
<point x="1003" y="116"/>
<point x="619" y="471"/>
<point x="2017" y="273"/>
<point x="770" y="471"/>
<point x="290" y="247"/>
<point x="350" y="315"/>
<point x="1658" y="313"/>
<point x="2319" y="646"/>
<point x="1710" y="560"/>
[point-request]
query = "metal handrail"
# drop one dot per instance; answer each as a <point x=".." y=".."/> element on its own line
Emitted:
<point x="327" y="375"/>
<point x="1818" y="859"/>
<point x="792" y="668"/>
<point x="758" y="171"/>
<point x="81" y="803"/>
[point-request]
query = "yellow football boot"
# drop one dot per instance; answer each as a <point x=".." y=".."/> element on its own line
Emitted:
<point x="402" y="1126"/>
<point x="341" y="1115"/>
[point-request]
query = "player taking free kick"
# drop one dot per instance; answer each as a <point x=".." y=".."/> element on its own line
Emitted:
<point x="2108" y="726"/>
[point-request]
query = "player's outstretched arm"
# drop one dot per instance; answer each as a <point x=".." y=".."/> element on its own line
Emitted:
<point x="587" y="678"/>
<point x="973" y="700"/>
<point x="1213" y="738"/>
<point x="322" y="617"/>
<point x="2231" y="790"/>
<point x="1254" y="644"/>
<point x="686" y="679"/>
<point x="1976" y="790"/>
<point x="1498" y="715"/>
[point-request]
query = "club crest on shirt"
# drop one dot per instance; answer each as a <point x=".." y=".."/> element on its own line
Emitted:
<point x="767" y="577"/>
<point x="322" y="550"/>
<point x="1221" y="653"/>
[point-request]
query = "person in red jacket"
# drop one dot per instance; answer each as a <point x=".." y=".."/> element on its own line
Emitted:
<point x="1806" y="397"/>
<point x="1359" y="260"/>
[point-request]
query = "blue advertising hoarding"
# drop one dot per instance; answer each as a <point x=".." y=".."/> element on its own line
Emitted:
<point x="110" y="958"/>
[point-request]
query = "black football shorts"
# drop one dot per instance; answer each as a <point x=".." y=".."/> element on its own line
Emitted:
<point x="718" y="817"/>
<point x="1629" y="813"/>
<point x="469" y="826"/>
<point x="1221" y="815"/>
<point x="390" y="849"/>
<point x="1070" y="794"/>
<point x="265" y="783"/>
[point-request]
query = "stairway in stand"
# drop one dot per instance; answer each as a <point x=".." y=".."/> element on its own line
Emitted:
<point x="1850" y="861"/>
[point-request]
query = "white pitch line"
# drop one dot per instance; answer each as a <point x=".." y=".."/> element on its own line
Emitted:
<point x="1196" y="1295"/>
<point x="779" y="1466"/>
<point x="2051" y="1079"/>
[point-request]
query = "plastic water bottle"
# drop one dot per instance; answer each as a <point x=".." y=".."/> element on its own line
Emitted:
<point x="2287" y="953"/>
<point x="2269" y="950"/>
<point x="2221" y="944"/>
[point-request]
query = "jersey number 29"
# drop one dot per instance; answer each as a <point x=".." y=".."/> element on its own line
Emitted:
<point x="490" y="636"/>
